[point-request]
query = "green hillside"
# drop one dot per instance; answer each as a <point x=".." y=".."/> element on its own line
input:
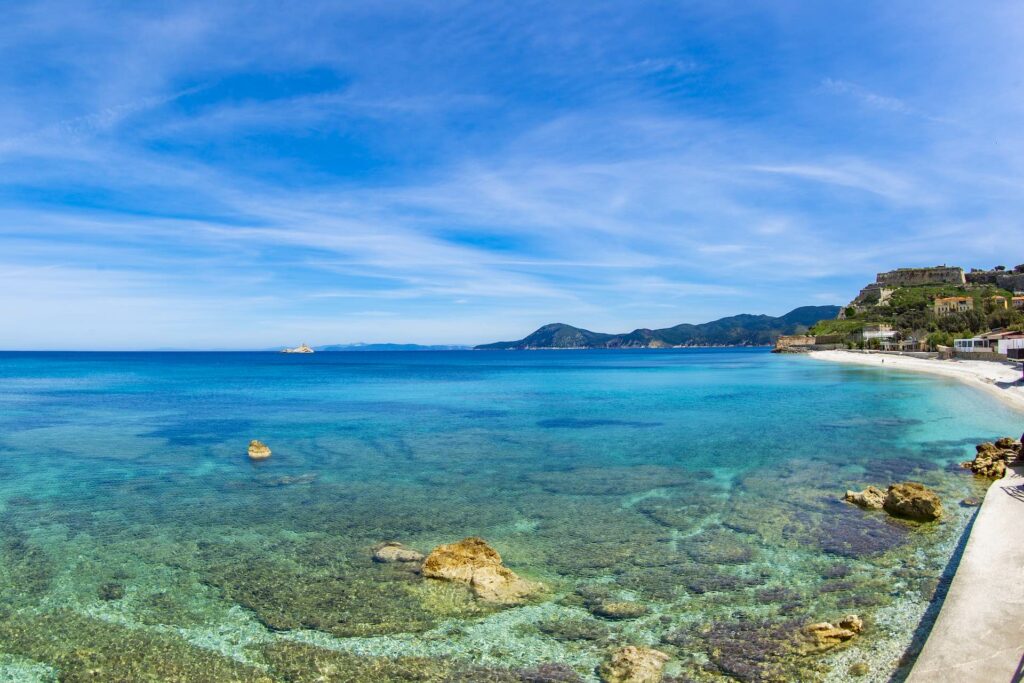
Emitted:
<point x="737" y="330"/>
<point x="910" y="311"/>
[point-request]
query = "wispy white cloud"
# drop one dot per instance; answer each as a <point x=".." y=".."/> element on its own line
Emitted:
<point x="866" y="96"/>
<point x="468" y="175"/>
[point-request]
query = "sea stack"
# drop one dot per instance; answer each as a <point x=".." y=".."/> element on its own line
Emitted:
<point x="258" y="450"/>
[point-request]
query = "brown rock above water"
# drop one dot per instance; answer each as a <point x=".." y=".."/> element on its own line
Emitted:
<point x="392" y="551"/>
<point x="472" y="561"/>
<point x="912" y="501"/>
<point x="991" y="458"/>
<point x="870" y="498"/>
<point x="634" y="665"/>
<point x="258" y="450"/>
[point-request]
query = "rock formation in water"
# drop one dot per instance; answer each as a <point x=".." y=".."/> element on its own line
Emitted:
<point x="634" y="665"/>
<point x="991" y="458"/>
<point x="870" y="498"/>
<point x="393" y="551"/>
<point x="472" y="561"/>
<point x="258" y="450"/>
<point x="824" y="636"/>
<point x="912" y="501"/>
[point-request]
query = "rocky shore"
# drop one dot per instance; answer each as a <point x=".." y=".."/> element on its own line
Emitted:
<point x="977" y="635"/>
<point x="908" y="500"/>
<point x="993" y="457"/>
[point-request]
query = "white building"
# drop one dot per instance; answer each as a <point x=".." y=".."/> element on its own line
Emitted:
<point x="881" y="332"/>
<point x="973" y="345"/>
<point x="1015" y="341"/>
<point x="992" y="342"/>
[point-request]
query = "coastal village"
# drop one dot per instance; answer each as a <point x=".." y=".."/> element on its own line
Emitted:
<point x="968" y="327"/>
<point x="940" y="311"/>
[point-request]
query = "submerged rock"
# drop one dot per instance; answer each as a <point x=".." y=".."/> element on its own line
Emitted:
<point x="287" y="480"/>
<point x="258" y="450"/>
<point x="566" y="628"/>
<point x="634" y="665"/>
<point x="912" y="501"/>
<point x="550" y="673"/>
<point x="111" y="591"/>
<point x="846" y="532"/>
<point x="393" y="551"/>
<point x="474" y="562"/>
<point x="623" y="609"/>
<point x="824" y="636"/>
<point x="859" y="669"/>
<point x="870" y="498"/>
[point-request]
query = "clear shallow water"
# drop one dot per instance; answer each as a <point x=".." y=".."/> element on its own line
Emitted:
<point x="137" y="542"/>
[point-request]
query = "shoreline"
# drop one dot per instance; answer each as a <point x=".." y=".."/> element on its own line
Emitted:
<point x="977" y="636"/>
<point x="996" y="379"/>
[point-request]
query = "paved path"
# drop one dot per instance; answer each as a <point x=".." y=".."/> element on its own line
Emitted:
<point x="979" y="634"/>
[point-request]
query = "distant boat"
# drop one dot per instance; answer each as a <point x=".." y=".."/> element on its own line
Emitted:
<point x="301" y="348"/>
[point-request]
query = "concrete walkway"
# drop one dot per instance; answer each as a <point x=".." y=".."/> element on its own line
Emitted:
<point x="979" y="634"/>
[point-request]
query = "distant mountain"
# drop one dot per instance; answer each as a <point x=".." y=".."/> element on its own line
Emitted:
<point x="736" y="330"/>
<point x="389" y="347"/>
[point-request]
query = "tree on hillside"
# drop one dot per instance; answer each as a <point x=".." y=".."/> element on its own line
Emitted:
<point x="911" y="319"/>
<point x="999" y="317"/>
<point x="971" y="321"/>
<point x="939" y="339"/>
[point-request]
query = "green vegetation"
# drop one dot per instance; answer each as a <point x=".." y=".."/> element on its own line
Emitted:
<point x="910" y="311"/>
<point x="844" y="327"/>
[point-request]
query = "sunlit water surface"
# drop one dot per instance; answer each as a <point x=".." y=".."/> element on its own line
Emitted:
<point x="138" y="542"/>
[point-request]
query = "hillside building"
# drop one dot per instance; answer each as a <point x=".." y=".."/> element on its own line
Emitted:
<point x="912" y="277"/>
<point x="998" y="301"/>
<point x="882" y="332"/>
<point x="953" y="304"/>
<point x="1018" y="303"/>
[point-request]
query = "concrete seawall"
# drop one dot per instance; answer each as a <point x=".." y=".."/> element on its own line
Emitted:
<point x="978" y="636"/>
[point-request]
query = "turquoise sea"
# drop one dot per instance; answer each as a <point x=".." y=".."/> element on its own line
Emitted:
<point x="138" y="542"/>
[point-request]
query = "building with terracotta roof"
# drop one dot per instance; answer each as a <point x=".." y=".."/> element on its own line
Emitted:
<point x="953" y="304"/>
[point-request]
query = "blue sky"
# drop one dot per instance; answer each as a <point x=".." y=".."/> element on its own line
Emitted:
<point x="242" y="175"/>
